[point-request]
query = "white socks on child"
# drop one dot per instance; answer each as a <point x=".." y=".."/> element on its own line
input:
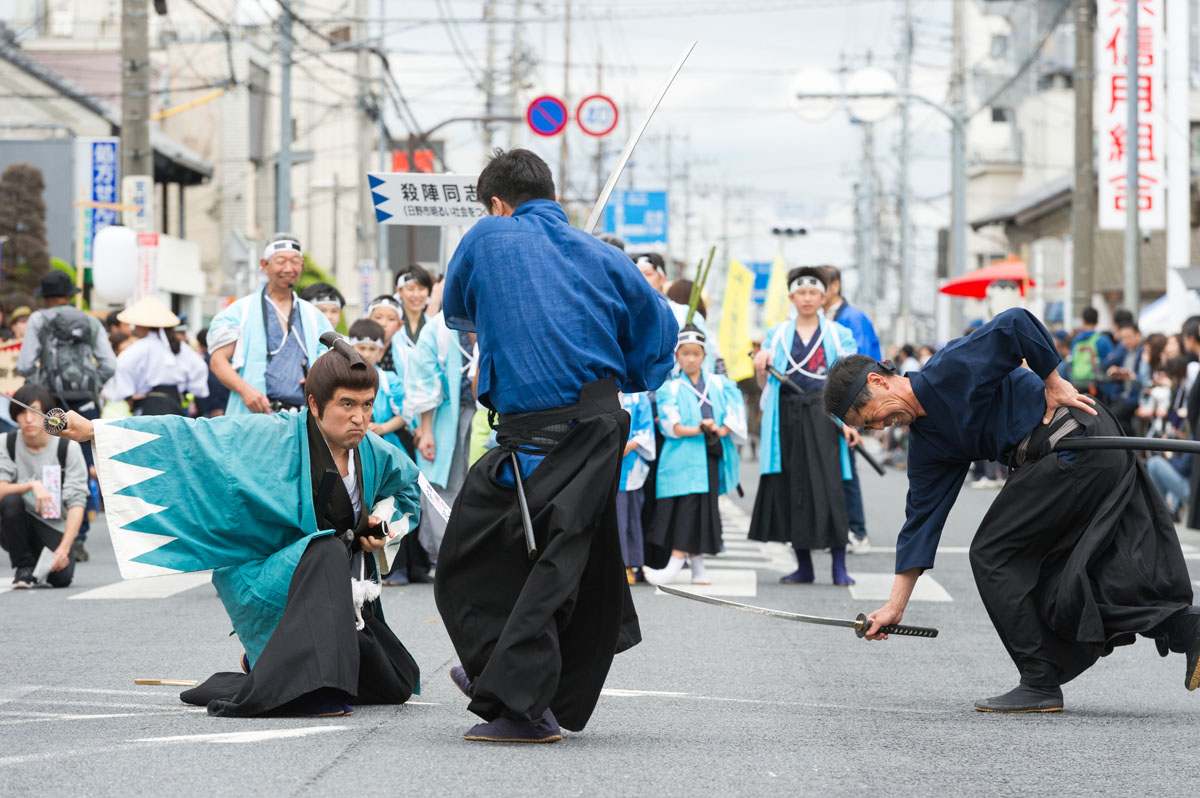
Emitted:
<point x="699" y="576"/>
<point x="664" y="576"/>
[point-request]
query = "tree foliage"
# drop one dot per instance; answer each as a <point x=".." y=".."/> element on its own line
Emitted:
<point x="26" y="255"/>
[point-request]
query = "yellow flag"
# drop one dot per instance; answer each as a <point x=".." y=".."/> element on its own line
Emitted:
<point x="734" y="332"/>
<point x="776" y="309"/>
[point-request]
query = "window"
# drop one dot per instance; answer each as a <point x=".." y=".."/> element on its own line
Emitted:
<point x="999" y="48"/>
<point x="999" y="114"/>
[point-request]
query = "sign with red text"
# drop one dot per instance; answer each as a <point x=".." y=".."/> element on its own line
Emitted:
<point x="1115" y="141"/>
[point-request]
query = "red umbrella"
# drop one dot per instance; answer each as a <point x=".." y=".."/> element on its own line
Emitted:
<point x="974" y="284"/>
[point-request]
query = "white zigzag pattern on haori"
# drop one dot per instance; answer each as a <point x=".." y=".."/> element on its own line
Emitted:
<point x="121" y="511"/>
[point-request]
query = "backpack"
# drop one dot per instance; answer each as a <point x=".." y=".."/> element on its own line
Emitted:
<point x="10" y="443"/>
<point x="1085" y="360"/>
<point x="68" y="359"/>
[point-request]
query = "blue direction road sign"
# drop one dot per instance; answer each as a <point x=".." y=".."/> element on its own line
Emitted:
<point x="639" y="217"/>
<point x="547" y="116"/>
<point x="762" y="277"/>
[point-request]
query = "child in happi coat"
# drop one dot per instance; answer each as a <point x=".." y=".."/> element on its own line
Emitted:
<point x="634" y="467"/>
<point x="366" y="337"/>
<point x="701" y="414"/>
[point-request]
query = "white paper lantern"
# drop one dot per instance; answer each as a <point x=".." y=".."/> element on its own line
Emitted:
<point x="114" y="264"/>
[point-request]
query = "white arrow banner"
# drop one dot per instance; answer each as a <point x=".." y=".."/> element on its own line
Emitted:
<point x="419" y="198"/>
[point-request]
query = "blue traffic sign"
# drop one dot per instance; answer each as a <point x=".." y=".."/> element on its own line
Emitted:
<point x="547" y="116"/>
<point x="639" y="217"/>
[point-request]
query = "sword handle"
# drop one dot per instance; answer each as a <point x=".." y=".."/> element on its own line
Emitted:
<point x="894" y="629"/>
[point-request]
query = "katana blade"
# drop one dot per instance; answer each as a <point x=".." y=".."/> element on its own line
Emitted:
<point x="858" y="625"/>
<point x="19" y="403"/>
<point x="615" y="175"/>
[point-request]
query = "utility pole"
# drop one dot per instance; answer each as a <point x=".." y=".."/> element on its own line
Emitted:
<point x="516" y="76"/>
<point x="599" y="140"/>
<point x="958" y="215"/>
<point x="905" y="86"/>
<point x="283" y="161"/>
<point x="1133" y="292"/>
<point x="687" y="203"/>
<point x="137" y="158"/>
<point x="366" y="216"/>
<point x="1083" y="199"/>
<point x="869" y="274"/>
<point x="489" y="78"/>
<point x="670" y="196"/>
<point x="337" y="196"/>
<point x="566" y="98"/>
<point x="381" y="233"/>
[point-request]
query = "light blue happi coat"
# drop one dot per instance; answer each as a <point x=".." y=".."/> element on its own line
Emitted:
<point x="388" y="402"/>
<point x="233" y="494"/>
<point x="433" y="381"/>
<point x="635" y="466"/>
<point x="243" y="322"/>
<point x="838" y="342"/>
<point x="401" y="348"/>
<point x="683" y="462"/>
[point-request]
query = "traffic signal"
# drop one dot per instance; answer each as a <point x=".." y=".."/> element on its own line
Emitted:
<point x="789" y="231"/>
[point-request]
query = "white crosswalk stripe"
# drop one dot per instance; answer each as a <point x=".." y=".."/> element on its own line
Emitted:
<point x="154" y="587"/>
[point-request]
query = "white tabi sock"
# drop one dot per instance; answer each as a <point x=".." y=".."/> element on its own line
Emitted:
<point x="698" y="572"/>
<point x="664" y="576"/>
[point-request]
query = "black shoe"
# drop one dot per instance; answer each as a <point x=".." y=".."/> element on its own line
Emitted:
<point x="23" y="578"/>
<point x="504" y="730"/>
<point x="1024" y="698"/>
<point x="458" y="675"/>
<point x="79" y="551"/>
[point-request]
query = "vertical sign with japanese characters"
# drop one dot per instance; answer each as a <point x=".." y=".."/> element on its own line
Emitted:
<point x="1148" y="142"/>
<point x="97" y="179"/>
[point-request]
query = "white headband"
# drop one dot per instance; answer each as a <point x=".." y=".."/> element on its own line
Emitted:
<point x="385" y="302"/>
<point x="405" y="279"/>
<point x="806" y="281"/>
<point x="326" y="300"/>
<point x="691" y="337"/>
<point x="373" y="341"/>
<point x="282" y="245"/>
<point x="660" y="269"/>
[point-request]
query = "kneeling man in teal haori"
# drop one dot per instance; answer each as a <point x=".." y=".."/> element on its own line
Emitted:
<point x="297" y="514"/>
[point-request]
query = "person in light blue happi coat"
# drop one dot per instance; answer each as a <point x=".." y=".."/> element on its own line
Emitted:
<point x="804" y="454"/>
<point x="639" y="450"/>
<point x="294" y="548"/>
<point x="438" y="390"/>
<point x="262" y="345"/>
<point x="702" y="415"/>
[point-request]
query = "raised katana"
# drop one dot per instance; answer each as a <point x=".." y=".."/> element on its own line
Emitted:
<point x="615" y="175"/>
<point x="859" y="624"/>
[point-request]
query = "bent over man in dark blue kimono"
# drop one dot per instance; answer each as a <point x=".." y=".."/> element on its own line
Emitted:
<point x="563" y="321"/>
<point x="1076" y="555"/>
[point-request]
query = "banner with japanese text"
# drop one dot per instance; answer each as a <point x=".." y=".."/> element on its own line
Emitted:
<point x="1116" y="143"/>
<point x="777" y="304"/>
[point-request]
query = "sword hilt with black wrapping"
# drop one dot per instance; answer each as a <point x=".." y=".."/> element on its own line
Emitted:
<point x="893" y="629"/>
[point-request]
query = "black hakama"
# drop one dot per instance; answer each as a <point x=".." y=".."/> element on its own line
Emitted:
<point x="692" y="522"/>
<point x="538" y="633"/>
<point x="1073" y="559"/>
<point x="316" y="646"/>
<point x="804" y="504"/>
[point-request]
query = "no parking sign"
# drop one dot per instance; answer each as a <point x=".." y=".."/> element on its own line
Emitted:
<point x="547" y="116"/>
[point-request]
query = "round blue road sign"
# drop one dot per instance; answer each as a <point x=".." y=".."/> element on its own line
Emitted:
<point x="547" y="116"/>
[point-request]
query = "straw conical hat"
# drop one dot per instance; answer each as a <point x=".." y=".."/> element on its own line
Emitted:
<point x="148" y="312"/>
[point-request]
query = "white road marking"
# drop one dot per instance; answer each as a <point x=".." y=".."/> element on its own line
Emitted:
<point x="49" y="717"/>
<point x="722" y="562"/>
<point x="244" y="736"/>
<point x="29" y="688"/>
<point x="620" y="693"/>
<point x="154" y="587"/>
<point x="878" y="587"/>
<point x="725" y="582"/>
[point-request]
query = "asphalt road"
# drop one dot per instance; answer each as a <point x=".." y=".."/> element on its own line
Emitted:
<point x="713" y="702"/>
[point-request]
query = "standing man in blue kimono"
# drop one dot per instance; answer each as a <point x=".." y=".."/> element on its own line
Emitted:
<point x="1077" y="554"/>
<point x="563" y="322"/>
<point x="262" y="345"/>
<point x="866" y="342"/>
<point x="803" y="458"/>
<point x="640" y="451"/>
<point x="290" y="511"/>
<point x="438" y="391"/>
